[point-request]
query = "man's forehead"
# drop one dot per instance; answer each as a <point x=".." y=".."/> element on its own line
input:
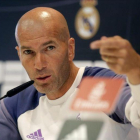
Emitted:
<point x="46" y="24"/>
<point x="32" y="28"/>
<point x="41" y="34"/>
<point x="38" y="31"/>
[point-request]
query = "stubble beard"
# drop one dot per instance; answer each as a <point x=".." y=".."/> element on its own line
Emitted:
<point x="57" y="82"/>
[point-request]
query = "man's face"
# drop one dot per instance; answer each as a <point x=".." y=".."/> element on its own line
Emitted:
<point x="45" y="58"/>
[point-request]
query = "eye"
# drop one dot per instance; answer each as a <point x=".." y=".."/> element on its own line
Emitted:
<point x="28" y="52"/>
<point x="50" y="48"/>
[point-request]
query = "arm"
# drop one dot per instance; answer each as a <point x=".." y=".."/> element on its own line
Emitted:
<point x="132" y="109"/>
<point x="118" y="114"/>
<point x="8" y="128"/>
<point x="121" y="58"/>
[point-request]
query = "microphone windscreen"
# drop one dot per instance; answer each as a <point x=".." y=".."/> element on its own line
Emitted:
<point x="16" y="90"/>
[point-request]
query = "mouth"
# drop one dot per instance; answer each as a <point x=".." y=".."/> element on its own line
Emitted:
<point x="43" y="78"/>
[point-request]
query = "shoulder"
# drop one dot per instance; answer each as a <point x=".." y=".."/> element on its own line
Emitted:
<point x="25" y="100"/>
<point x="98" y="72"/>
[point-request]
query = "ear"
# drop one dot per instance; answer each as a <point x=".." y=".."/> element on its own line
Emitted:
<point x="71" y="49"/>
<point x="18" y="51"/>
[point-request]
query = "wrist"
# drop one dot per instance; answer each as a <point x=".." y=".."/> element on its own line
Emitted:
<point x="134" y="77"/>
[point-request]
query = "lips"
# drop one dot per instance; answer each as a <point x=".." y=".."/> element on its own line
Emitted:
<point x="43" y="78"/>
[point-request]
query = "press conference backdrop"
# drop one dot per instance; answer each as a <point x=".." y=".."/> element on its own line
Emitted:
<point x="86" y="24"/>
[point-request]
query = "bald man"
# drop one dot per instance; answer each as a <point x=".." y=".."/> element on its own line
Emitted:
<point x="46" y="51"/>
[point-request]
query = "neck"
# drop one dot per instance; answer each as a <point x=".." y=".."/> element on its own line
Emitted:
<point x="65" y="87"/>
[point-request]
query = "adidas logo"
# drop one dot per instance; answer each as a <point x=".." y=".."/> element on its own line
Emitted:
<point x="37" y="135"/>
<point x="78" y="134"/>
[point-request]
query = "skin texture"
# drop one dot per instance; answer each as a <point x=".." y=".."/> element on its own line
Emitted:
<point x="46" y="51"/>
<point x="120" y="56"/>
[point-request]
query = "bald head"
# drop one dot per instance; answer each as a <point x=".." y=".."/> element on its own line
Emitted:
<point x="35" y="23"/>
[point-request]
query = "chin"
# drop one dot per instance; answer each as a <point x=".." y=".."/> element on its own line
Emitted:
<point x="44" y="89"/>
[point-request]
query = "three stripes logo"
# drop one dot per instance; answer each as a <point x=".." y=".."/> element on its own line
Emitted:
<point x="37" y="135"/>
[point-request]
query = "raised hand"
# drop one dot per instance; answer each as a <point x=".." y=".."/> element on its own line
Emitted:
<point x="120" y="56"/>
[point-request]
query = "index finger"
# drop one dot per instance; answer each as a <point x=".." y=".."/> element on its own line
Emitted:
<point x="96" y="44"/>
<point x="110" y="43"/>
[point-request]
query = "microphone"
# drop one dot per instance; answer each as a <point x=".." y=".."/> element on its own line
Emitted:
<point x="16" y="90"/>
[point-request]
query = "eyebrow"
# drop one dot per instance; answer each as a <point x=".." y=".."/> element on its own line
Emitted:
<point x="48" y="42"/>
<point x="44" y="44"/>
<point x="25" y="47"/>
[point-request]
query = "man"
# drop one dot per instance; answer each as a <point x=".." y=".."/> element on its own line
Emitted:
<point x="46" y="51"/>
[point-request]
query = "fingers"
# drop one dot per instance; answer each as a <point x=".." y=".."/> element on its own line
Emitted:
<point x="116" y="37"/>
<point x="118" y="53"/>
<point x="115" y="42"/>
<point x="113" y="60"/>
<point x="108" y="59"/>
<point x="103" y="38"/>
<point x="115" y="67"/>
<point x="112" y="46"/>
<point x="113" y="52"/>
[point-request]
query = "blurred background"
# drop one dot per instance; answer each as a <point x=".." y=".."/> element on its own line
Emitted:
<point x="88" y="20"/>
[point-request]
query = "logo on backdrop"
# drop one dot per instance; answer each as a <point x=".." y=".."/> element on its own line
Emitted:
<point x="87" y="19"/>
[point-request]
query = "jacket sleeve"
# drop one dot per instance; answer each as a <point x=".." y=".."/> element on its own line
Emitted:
<point x="8" y="128"/>
<point x="118" y="114"/>
<point x="132" y="109"/>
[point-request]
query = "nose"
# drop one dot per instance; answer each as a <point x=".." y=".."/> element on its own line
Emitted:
<point x="40" y="61"/>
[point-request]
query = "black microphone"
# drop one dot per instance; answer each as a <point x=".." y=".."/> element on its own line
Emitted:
<point x="16" y="90"/>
